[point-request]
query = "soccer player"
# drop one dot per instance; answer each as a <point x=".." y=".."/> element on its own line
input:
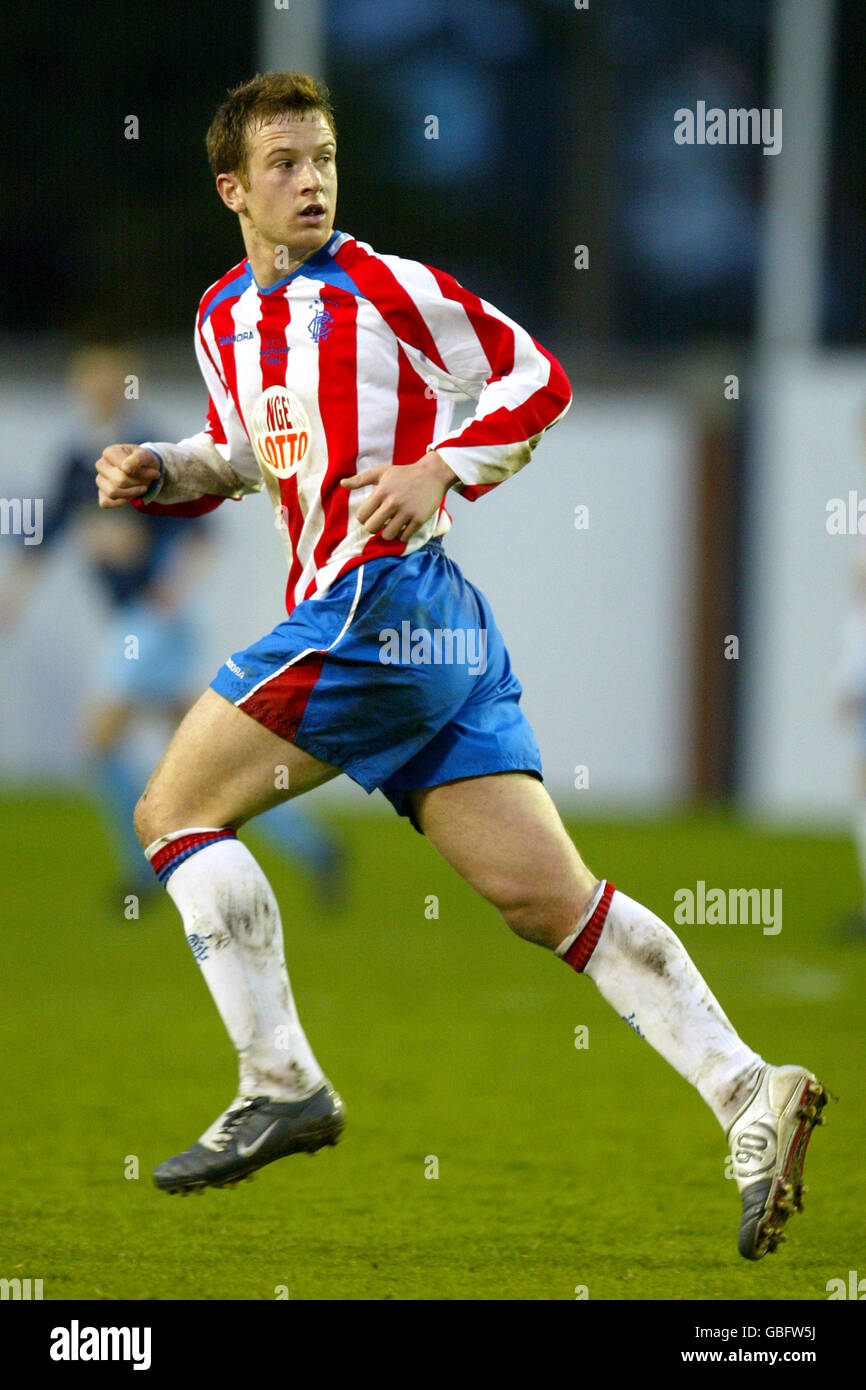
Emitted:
<point x="335" y="373"/>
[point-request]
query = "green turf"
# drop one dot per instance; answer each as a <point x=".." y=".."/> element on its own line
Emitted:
<point x="558" y="1167"/>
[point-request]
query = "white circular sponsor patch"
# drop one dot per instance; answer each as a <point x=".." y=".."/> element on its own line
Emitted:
<point x="280" y="429"/>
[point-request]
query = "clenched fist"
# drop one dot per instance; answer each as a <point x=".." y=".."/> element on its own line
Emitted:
<point x="123" y="473"/>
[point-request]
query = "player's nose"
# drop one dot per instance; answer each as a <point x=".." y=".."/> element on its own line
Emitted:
<point x="311" y="177"/>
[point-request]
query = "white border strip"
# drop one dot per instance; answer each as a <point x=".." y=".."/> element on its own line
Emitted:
<point x="310" y="651"/>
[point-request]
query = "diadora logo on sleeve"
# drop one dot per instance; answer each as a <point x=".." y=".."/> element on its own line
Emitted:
<point x="235" y="338"/>
<point x="280" y="431"/>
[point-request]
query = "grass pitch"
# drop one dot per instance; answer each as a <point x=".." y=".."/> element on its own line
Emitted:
<point x="560" y="1168"/>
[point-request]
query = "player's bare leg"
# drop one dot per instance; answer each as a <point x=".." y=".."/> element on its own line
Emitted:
<point x="504" y="835"/>
<point x="220" y="769"/>
<point x="223" y="768"/>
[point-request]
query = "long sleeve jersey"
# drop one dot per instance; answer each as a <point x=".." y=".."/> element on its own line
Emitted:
<point x="352" y="360"/>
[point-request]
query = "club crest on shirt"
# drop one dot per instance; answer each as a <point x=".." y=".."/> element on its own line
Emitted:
<point x="320" y="325"/>
<point x="280" y="431"/>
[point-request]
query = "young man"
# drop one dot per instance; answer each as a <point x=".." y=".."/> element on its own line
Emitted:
<point x="334" y="373"/>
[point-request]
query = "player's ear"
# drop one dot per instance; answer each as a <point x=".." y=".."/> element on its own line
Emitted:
<point x="231" y="190"/>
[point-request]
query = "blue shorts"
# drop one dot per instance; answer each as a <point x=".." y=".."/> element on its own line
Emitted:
<point x="398" y="675"/>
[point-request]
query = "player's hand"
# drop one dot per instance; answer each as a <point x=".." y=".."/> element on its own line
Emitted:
<point x="123" y="473"/>
<point x="403" y="497"/>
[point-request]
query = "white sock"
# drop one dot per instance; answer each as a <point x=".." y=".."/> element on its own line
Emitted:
<point x="232" y="923"/>
<point x="644" y="972"/>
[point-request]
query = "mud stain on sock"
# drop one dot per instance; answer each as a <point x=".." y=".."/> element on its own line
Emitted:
<point x="654" y="959"/>
<point x="742" y="1089"/>
<point x="648" y="947"/>
<point x="273" y="1081"/>
<point x="253" y="925"/>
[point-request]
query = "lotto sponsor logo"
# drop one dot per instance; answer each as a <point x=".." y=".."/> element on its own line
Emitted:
<point x="278" y="414"/>
<point x="281" y="431"/>
<point x="284" y="449"/>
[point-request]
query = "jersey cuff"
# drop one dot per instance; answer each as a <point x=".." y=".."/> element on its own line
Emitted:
<point x="468" y="475"/>
<point x="156" y="486"/>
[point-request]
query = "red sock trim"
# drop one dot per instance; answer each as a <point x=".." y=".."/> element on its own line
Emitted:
<point x="172" y="855"/>
<point x="581" y="949"/>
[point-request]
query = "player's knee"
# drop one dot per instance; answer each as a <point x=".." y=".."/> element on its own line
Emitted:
<point x="543" y="915"/>
<point x="528" y="923"/>
<point x="141" y="823"/>
<point x="163" y="810"/>
<point x="532" y="916"/>
<point x="150" y="820"/>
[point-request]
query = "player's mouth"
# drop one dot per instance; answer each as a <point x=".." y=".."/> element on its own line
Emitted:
<point x="313" y="213"/>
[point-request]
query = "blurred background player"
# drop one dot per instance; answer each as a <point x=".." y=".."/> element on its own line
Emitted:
<point x="147" y="569"/>
<point x="850" y="692"/>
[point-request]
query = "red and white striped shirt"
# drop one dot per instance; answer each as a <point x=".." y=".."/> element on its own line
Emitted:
<point x="354" y="359"/>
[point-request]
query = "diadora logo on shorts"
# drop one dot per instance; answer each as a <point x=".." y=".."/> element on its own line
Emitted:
<point x="280" y="431"/>
<point x="235" y="338"/>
